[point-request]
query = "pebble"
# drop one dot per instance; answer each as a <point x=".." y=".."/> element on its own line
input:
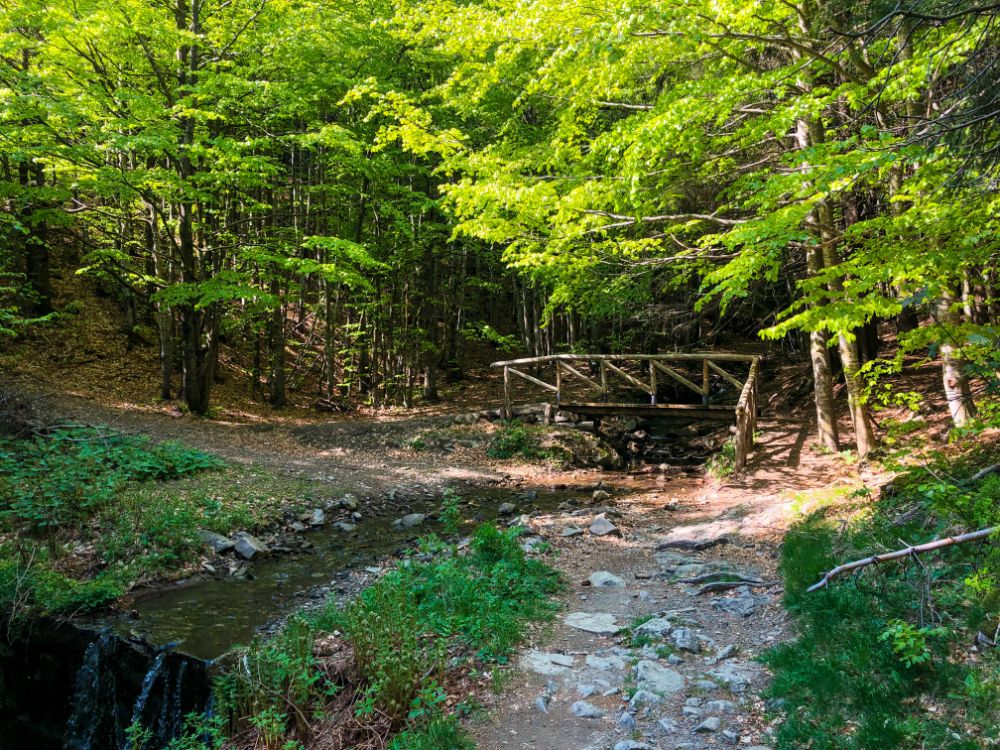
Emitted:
<point x="726" y="653"/>
<point x="601" y="526"/>
<point x="642" y="698"/>
<point x="691" y="711"/>
<point x="730" y="736"/>
<point x="733" y="675"/>
<point x="604" y="579"/>
<point x="411" y="519"/>
<point x="720" y="707"/>
<point x="585" y="690"/>
<point x="686" y="640"/>
<point x="542" y="703"/>
<point x="657" y="627"/>
<point x="632" y="745"/>
<point x="711" y="724"/>
<point x="601" y="496"/>
<point x="571" y="531"/>
<point x="626" y="722"/>
<point x="668" y="725"/>
<point x="599" y="623"/>
<point x="586" y="710"/>
<point x="506" y="509"/>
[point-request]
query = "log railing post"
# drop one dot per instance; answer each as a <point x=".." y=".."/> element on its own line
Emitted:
<point x="604" y="379"/>
<point x="507" y="399"/>
<point x="704" y="381"/>
<point x="652" y="383"/>
<point x="558" y="382"/>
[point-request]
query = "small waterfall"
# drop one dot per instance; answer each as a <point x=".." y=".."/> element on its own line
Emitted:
<point x="122" y="683"/>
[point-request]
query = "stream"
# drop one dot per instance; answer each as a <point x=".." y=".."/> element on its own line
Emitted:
<point x="80" y="685"/>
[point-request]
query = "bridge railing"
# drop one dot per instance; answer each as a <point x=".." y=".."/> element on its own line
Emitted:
<point x="567" y="377"/>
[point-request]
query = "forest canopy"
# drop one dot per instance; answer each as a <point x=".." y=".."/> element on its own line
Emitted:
<point x="374" y="185"/>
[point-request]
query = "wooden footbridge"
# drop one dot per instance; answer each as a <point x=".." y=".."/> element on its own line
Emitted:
<point x="600" y="385"/>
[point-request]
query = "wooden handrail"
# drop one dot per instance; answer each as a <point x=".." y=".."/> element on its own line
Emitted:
<point x="679" y="356"/>
<point x="745" y="409"/>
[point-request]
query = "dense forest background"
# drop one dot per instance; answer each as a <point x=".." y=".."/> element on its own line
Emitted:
<point x="359" y="190"/>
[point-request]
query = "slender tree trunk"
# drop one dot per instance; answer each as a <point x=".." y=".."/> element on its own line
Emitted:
<point x="956" y="380"/>
<point x="276" y="381"/>
<point x="819" y="354"/>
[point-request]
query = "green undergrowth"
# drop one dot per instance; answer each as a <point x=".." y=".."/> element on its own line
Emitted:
<point x="887" y="658"/>
<point x="445" y="611"/>
<point x="86" y="513"/>
<point x="518" y="440"/>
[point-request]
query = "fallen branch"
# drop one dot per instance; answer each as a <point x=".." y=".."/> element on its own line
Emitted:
<point x="901" y="553"/>
<point x="708" y="588"/>
<point x="720" y="576"/>
<point x="984" y="473"/>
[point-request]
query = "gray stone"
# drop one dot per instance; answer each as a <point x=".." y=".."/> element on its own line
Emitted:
<point x="542" y="703"/>
<point x="642" y="698"/>
<point x="658" y="679"/>
<point x="632" y="745"/>
<point x="674" y="659"/>
<point x="726" y="653"/>
<point x="730" y="736"/>
<point x="298" y="527"/>
<point x="645" y="596"/>
<point x="601" y="526"/>
<point x="586" y="710"/>
<point x="585" y="690"/>
<point x="217" y="542"/>
<point x="668" y="725"/>
<point x="735" y="676"/>
<point x="411" y="519"/>
<point x="248" y="546"/>
<point x="657" y="627"/>
<point x="345" y="526"/>
<point x="601" y="496"/>
<point x="571" y="531"/>
<point x="711" y="724"/>
<point x="599" y="623"/>
<point x="347" y="502"/>
<point x="318" y="517"/>
<point x="626" y="722"/>
<point x="604" y="579"/>
<point x="544" y="663"/>
<point x="506" y="509"/>
<point x="720" y="707"/>
<point x="694" y="700"/>
<point x="606" y="663"/>
<point x="741" y="606"/>
<point x="612" y="691"/>
<point x="691" y="711"/>
<point x="686" y="640"/>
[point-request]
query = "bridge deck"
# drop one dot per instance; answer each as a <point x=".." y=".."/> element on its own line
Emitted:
<point x="690" y="411"/>
<point x="573" y="373"/>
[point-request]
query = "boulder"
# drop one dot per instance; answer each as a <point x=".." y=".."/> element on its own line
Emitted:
<point x="217" y="542"/>
<point x="248" y="546"/>
<point x="657" y="679"/>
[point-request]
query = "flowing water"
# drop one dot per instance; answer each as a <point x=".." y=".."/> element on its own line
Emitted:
<point x="72" y="687"/>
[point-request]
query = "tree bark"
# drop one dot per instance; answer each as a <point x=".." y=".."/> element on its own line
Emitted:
<point x="956" y="381"/>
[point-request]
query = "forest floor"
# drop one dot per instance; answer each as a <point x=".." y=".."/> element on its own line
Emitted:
<point x="698" y="671"/>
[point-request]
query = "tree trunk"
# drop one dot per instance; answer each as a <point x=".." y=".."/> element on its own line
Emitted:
<point x="956" y="381"/>
<point x="819" y="354"/>
<point x="276" y="382"/>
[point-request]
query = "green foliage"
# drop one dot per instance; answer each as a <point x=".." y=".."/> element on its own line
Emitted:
<point x="437" y="603"/>
<point x="723" y="463"/>
<point x="514" y="440"/>
<point x="64" y="478"/>
<point x="869" y="655"/>
<point x="441" y="733"/>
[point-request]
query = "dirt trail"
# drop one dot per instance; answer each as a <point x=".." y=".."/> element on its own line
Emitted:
<point x="691" y="681"/>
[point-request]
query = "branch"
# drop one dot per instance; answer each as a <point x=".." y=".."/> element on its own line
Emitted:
<point x="630" y="220"/>
<point x="901" y="553"/>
